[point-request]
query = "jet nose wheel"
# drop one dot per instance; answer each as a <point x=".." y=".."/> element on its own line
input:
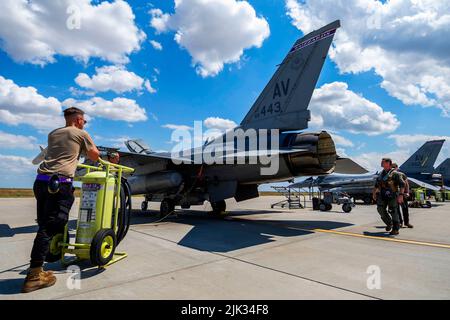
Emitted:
<point x="144" y="206"/>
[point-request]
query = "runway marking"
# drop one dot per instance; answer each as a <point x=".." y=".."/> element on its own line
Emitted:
<point x="351" y="234"/>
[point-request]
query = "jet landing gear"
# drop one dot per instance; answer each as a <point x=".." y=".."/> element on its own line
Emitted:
<point x="167" y="207"/>
<point x="144" y="204"/>
<point x="219" y="208"/>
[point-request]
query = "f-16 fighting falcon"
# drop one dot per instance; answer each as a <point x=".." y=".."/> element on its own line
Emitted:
<point x="418" y="168"/>
<point x="276" y="118"/>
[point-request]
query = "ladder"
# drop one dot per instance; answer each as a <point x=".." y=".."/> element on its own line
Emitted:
<point x="292" y="201"/>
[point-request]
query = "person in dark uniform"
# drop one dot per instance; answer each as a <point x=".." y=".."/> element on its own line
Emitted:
<point x="403" y="208"/>
<point x="388" y="194"/>
<point x="53" y="191"/>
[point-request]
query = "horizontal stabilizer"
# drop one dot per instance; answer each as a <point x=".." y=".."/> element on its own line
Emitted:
<point x="414" y="183"/>
<point x="348" y="166"/>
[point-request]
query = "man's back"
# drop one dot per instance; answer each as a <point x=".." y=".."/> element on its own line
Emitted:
<point x="64" y="148"/>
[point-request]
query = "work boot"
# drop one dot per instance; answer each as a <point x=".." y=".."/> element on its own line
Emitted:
<point x="389" y="227"/>
<point x="394" y="232"/>
<point x="38" y="279"/>
<point x="409" y="225"/>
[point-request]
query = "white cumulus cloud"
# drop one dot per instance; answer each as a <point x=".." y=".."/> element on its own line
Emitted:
<point x="13" y="141"/>
<point x="403" y="41"/>
<point x="24" y="105"/>
<point x="156" y="45"/>
<point x="118" y="109"/>
<point x="113" y="78"/>
<point x="333" y="106"/>
<point x="36" y="31"/>
<point x="214" y="32"/>
<point x="219" y="123"/>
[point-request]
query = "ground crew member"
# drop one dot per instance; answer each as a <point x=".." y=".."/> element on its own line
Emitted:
<point x="403" y="208"/>
<point x="388" y="193"/>
<point x="53" y="191"/>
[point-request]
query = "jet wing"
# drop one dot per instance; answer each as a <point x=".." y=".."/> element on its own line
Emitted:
<point x="417" y="183"/>
<point x="348" y="166"/>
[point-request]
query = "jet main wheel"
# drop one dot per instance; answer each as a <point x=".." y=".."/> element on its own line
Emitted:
<point x="103" y="247"/>
<point x="219" y="208"/>
<point x="144" y="206"/>
<point x="167" y="207"/>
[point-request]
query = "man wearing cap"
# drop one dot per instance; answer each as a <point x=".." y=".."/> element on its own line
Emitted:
<point x="388" y="193"/>
<point x="53" y="190"/>
<point x="404" y="205"/>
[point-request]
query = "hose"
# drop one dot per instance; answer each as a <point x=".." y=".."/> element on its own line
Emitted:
<point x="124" y="213"/>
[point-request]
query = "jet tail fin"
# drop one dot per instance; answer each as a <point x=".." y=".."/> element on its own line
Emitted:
<point x="422" y="161"/>
<point x="283" y="104"/>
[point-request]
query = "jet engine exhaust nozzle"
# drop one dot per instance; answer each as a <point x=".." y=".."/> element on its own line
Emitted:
<point x="316" y="156"/>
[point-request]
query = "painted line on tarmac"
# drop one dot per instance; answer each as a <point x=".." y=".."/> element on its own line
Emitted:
<point x="350" y="234"/>
<point x="358" y="235"/>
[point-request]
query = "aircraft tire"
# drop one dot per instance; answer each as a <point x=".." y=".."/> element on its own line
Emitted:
<point x="219" y="208"/>
<point x="144" y="206"/>
<point x="167" y="207"/>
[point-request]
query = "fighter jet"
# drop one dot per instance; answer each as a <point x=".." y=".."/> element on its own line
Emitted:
<point x="420" y="165"/>
<point x="278" y="116"/>
<point x="444" y="170"/>
<point x="418" y="168"/>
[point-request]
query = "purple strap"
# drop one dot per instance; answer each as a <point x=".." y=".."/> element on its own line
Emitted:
<point x="44" y="177"/>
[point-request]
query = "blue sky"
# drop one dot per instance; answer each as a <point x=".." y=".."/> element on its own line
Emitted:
<point x="406" y="102"/>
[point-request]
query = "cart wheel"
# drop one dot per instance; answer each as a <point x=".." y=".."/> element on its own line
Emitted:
<point x="144" y="205"/>
<point x="328" y="207"/>
<point x="54" y="252"/>
<point x="367" y="201"/>
<point x="103" y="247"/>
<point x="219" y="208"/>
<point x="322" y="207"/>
<point x="346" y="207"/>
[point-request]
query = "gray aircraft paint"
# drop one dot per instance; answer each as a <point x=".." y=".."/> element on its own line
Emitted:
<point x="423" y="160"/>
<point x="282" y="106"/>
<point x="444" y="170"/>
<point x="284" y="101"/>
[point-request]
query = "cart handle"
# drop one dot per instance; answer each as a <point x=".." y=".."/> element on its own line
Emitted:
<point x="106" y="166"/>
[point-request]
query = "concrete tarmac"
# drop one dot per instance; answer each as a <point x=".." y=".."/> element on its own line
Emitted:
<point x="255" y="253"/>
